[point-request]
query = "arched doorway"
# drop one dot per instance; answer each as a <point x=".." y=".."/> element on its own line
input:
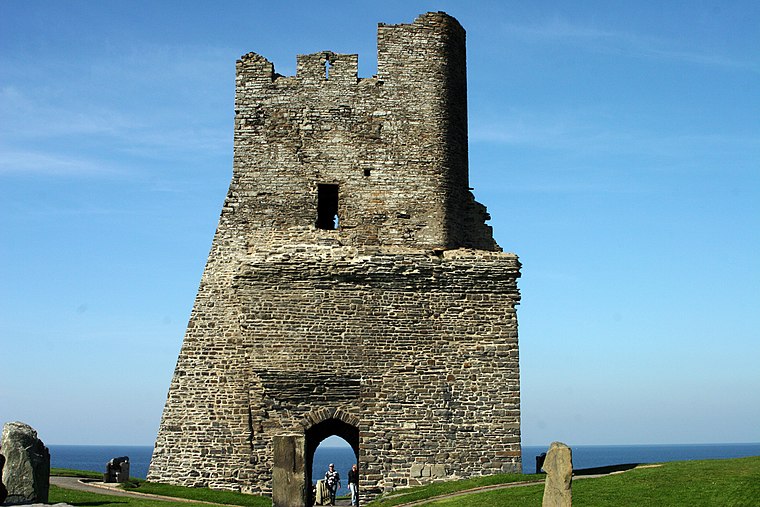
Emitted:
<point x="294" y="454"/>
<point x="333" y="450"/>
<point x="321" y="431"/>
<point x="327" y="428"/>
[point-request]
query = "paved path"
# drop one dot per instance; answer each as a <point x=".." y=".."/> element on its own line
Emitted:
<point x="80" y="485"/>
<point x="590" y="473"/>
<point x="112" y="489"/>
<point x="102" y="488"/>
<point x="469" y="491"/>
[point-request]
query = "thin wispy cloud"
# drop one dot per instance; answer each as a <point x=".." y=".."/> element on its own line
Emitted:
<point x="150" y="103"/>
<point x="27" y="118"/>
<point x="51" y="164"/>
<point x="563" y="187"/>
<point x="582" y="133"/>
<point x="38" y="116"/>
<point x="180" y="143"/>
<point x="629" y="44"/>
<point x="529" y="129"/>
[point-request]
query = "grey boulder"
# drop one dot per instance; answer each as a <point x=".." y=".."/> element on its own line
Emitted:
<point x="26" y="474"/>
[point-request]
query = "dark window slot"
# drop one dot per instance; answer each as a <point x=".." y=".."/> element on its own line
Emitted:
<point x="327" y="207"/>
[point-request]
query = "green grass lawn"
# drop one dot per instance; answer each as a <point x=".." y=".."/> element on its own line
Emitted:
<point x="66" y="472"/>
<point x="80" y="498"/>
<point x="723" y="483"/>
<point x="442" y="488"/>
<point x="202" y="494"/>
<point x="85" y="499"/>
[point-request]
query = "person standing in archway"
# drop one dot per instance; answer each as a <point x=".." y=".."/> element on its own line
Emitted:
<point x="332" y="478"/>
<point x="353" y="485"/>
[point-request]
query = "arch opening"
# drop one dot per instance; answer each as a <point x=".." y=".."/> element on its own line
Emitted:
<point x="320" y="432"/>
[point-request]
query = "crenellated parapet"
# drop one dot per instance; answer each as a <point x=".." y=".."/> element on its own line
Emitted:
<point x="390" y="152"/>
<point x="327" y="66"/>
<point x="254" y="68"/>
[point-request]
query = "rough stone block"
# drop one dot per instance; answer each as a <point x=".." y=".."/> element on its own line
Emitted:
<point x="438" y="471"/>
<point x="26" y="474"/>
<point x="558" y="466"/>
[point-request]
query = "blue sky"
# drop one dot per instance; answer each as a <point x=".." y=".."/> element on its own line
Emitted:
<point x="616" y="145"/>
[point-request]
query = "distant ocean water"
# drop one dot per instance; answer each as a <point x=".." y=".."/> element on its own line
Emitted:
<point x="592" y="456"/>
<point x="95" y="457"/>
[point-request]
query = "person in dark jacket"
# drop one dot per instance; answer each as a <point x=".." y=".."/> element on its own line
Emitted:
<point x="353" y="485"/>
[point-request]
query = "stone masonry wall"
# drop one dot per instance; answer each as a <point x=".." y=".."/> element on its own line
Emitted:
<point x="401" y="321"/>
<point x="395" y="144"/>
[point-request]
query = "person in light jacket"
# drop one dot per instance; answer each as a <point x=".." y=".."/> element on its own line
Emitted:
<point x="332" y="477"/>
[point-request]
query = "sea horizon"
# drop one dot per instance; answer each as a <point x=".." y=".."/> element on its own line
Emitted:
<point x="523" y="445"/>
<point x="93" y="457"/>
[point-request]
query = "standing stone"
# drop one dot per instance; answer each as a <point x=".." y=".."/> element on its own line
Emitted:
<point x="27" y="467"/>
<point x="3" y="489"/>
<point x="559" y="476"/>
<point x="290" y="486"/>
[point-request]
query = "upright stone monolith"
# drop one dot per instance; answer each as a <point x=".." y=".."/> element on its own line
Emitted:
<point x="26" y="474"/>
<point x="3" y="489"/>
<point x="559" y="476"/>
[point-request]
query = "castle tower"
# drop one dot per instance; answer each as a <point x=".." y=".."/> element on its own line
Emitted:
<point x="352" y="288"/>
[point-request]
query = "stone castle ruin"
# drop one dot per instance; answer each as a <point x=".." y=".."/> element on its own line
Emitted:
<point x="353" y="287"/>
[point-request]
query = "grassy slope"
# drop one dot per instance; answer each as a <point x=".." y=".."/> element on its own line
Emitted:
<point x="137" y="485"/>
<point x="443" y="488"/>
<point x="727" y="483"/>
<point x="202" y="494"/>
<point x="67" y="472"/>
<point x="85" y="499"/>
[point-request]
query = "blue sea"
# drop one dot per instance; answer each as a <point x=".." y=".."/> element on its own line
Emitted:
<point x="95" y="457"/>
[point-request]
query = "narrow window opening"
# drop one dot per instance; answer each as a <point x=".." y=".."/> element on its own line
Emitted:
<point x="327" y="207"/>
<point x="367" y="172"/>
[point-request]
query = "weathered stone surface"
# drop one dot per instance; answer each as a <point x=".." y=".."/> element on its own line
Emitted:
<point x="26" y="474"/>
<point x="290" y="489"/>
<point x="117" y="470"/>
<point x="559" y="476"/>
<point x="353" y="287"/>
<point x="3" y="489"/>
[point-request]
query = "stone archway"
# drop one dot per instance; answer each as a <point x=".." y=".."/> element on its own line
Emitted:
<point x="294" y="454"/>
<point x="328" y="428"/>
<point x="321" y="424"/>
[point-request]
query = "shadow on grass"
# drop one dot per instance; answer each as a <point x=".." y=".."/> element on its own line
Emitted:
<point x="94" y="504"/>
<point x="605" y="469"/>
